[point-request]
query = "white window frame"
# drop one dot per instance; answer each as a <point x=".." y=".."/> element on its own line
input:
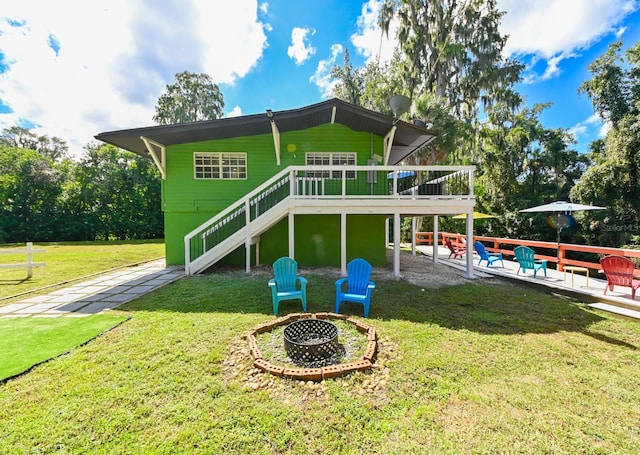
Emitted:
<point x="219" y="166"/>
<point x="331" y="159"/>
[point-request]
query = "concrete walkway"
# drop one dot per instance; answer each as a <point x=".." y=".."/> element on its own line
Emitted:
<point x="102" y="293"/>
<point x="109" y="291"/>
<point x="617" y="301"/>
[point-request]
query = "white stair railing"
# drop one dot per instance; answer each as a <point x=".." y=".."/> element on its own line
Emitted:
<point x="234" y="218"/>
<point x="227" y="230"/>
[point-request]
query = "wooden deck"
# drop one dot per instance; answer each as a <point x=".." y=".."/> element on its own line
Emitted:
<point x="617" y="301"/>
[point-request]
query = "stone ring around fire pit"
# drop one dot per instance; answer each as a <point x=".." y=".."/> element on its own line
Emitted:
<point x="315" y="321"/>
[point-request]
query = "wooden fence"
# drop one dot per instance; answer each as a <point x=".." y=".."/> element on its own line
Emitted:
<point x="562" y="256"/>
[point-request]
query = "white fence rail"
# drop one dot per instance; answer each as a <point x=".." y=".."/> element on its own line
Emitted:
<point x="29" y="265"/>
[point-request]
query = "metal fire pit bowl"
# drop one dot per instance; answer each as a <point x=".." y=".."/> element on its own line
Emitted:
<point x="311" y="341"/>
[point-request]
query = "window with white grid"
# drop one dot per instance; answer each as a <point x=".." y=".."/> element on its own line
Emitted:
<point x="219" y="166"/>
<point x="330" y="159"/>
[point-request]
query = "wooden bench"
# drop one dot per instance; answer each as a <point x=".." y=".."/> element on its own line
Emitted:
<point x="29" y="265"/>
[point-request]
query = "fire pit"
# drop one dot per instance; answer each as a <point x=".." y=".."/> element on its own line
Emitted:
<point x="311" y="342"/>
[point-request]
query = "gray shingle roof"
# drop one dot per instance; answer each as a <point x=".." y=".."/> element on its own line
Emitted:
<point x="408" y="137"/>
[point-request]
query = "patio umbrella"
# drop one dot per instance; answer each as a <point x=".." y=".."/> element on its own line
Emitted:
<point x="562" y="211"/>
<point x="563" y="207"/>
<point x="476" y="216"/>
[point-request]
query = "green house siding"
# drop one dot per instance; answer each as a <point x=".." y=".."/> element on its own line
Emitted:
<point x="317" y="240"/>
<point x="188" y="202"/>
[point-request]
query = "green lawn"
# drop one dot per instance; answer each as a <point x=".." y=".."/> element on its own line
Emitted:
<point x="477" y="368"/>
<point x="26" y="342"/>
<point x="67" y="261"/>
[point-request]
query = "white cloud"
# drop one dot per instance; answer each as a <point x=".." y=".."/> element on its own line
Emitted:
<point x="555" y="30"/>
<point x="114" y="63"/>
<point x="322" y="77"/>
<point x="299" y="51"/>
<point x="619" y="32"/>
<point x="235" y="112"/>
<point x="369" y="40"/>
<point x="264" y="10"/>
<point x="589" y="129"/>
<point x="577" y="130"/>
<point x="604" y="129"/>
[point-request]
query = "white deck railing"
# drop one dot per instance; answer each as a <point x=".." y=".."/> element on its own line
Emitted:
<point x="413" y="185"/>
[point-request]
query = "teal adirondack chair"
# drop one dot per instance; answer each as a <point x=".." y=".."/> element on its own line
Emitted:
<point x="285" y="284"/>
<point x="485" y="256"/>
<point x="525" y="257"/>
<point x="359" y="287"/>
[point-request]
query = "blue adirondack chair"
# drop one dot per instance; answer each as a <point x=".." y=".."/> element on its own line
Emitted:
<point x="285" y="284"/>
<point x="526" y="258"/>
<point x="359" y="287"/>
<point x="485" y="256"/>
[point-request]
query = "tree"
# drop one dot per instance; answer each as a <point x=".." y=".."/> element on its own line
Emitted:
<point x="452" y="136"/>
<point x="44" y="197"/>
<point x="520" y="163"/>
<point x="452" y="49"/>
<point x="192" y="98"/>
<point x="614" y="180"/>
<point x="449" y="60"/>
<point x="350" y="82"/>
<point x="371" y="87"/>
<point x="29" y="190"/>
<point x="114" y="194"/>
<point x="55" y="148"/>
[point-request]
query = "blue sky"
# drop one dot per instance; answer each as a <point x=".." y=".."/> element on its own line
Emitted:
<point x="104" y="67"/>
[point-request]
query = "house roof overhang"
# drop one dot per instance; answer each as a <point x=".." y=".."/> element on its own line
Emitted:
<point x="408" y="138"/>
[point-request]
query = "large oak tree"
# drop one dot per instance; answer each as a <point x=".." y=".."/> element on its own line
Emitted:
<point x="193" y="97"/>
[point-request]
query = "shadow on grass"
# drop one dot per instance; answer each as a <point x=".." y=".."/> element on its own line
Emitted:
<point x="496" y="308"/>
<point x="13" y="282"/>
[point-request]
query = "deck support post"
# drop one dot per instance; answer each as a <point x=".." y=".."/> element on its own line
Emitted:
<point x="247" y="259"/>
<point x="343" y="244"/>
<point x="396" y="245"/>
<point x="386" y="232"/>
<point x="435" y="239"/>
<point x="413" y="235"/>
<point x="469" y="254"/>
<point x="291" y="236"/>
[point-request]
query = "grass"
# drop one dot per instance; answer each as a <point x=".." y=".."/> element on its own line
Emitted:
<point x="66" y="261"/>
<point x="476" y="368"/>
<point x="28" y="342"/>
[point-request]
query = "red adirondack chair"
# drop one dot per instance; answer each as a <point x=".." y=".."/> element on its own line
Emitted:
<point x="619" y="272"/>
<point x="456" y="252"/>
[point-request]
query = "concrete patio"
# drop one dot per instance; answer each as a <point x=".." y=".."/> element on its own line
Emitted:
<point x="617" y="301"/>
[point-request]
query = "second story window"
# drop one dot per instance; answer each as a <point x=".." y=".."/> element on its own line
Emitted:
<point x="331" y="159"/>
<point x="219" y="166"/>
